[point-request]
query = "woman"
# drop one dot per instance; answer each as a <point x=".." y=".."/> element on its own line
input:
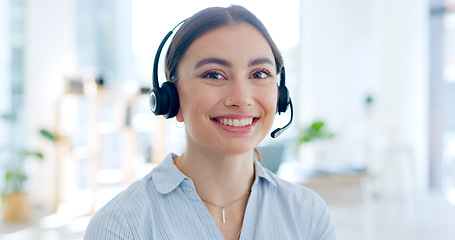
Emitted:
<point x="224" y="66"/>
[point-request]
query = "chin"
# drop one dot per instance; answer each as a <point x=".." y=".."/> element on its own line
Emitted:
<point x="237" y="150"/>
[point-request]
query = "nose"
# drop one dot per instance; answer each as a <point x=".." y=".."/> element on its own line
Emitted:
<point x="240" y="94"/>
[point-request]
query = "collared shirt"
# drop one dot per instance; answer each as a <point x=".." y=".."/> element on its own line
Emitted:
<point x="165" y="205"/>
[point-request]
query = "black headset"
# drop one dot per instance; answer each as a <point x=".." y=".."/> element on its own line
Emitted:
<point x="164" y="100"/>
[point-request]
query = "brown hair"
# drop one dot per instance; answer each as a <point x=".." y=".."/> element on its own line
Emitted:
<point x="206" y="20"/>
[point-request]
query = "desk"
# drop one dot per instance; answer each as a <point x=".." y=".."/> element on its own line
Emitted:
<point x="337" y="189"/>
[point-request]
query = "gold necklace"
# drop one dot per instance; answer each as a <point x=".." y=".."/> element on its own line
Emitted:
<point x="223" y="208"/>
<point x="238" y="235"/>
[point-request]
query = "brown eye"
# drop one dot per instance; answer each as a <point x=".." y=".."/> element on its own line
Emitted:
<point x="261" y="74"/>
<point x="213" y="75"/>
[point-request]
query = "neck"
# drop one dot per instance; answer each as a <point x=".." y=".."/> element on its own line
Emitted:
<point x="218" y="177"/>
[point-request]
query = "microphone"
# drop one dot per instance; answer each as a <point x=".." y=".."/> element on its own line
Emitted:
<point x="277" y="132"/>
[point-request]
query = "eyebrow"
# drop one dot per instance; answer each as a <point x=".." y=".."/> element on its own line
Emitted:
<point x="210" y="60"/>
<point x="259" y="61"/>
<point x="225" y="63"/>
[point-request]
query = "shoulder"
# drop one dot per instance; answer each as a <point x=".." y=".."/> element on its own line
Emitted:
<point x="291" y="198"/>
<point x="306" y="208"/>
<point x="289" y="191"/>
<point x="296" y="193"/>
<point x="130" y="215"/>
<point x="118" y="217"/>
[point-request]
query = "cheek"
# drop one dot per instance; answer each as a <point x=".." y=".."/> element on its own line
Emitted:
<point x="272" y="100"/>
<point x="184" y="96"/>
<point x="193" y="100"/>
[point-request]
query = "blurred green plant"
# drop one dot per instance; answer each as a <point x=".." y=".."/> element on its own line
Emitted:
<point x="14" y="172"/>
<point x="317" y="130"/>
<point x="369" y="100"/>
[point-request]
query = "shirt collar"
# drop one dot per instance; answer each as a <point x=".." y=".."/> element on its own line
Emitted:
<point x="166" y="176"/>
<point x="262" y="173"/>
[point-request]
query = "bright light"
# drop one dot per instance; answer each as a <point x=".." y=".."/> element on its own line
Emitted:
<point x="450" y="195"/>
<point x="151" y="20"/>
<point x="141" y="20"/>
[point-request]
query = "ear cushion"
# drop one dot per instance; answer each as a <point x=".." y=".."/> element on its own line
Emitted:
<point x="165" y="100"/>
<point x="172" y="95"/>
<point x="154" y="100"/>
<point x="283" y="99"/>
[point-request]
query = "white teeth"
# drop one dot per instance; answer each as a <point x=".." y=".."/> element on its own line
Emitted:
<point x="236" y="122"/>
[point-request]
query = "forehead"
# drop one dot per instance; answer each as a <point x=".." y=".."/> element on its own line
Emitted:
<point x="238" y="42"/>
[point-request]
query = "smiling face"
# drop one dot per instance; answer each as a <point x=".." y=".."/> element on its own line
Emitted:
<point x="227" y="89"/>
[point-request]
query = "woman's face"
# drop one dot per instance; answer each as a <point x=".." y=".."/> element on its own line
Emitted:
<point x="228" y="90"/>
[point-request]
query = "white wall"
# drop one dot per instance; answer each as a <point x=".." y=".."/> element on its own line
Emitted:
<point x="337" y="57"/>
<point x="5" y="66"/>
<point x="402" y="75"/>
<point x="50" y="56"/>
<point x="351" y="48"/>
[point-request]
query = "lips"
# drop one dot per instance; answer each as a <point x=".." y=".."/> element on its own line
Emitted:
<point x="236" y="122"/>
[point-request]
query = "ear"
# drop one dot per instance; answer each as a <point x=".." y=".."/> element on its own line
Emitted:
<point x="179" y="116"/>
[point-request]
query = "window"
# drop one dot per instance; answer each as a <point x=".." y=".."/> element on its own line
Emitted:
<point x="442" y="89"/>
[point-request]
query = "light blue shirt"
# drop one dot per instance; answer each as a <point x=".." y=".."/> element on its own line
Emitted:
<point x="165" y="205"/>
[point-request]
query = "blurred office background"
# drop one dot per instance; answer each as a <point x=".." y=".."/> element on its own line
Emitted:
<point x="372" y="83"/>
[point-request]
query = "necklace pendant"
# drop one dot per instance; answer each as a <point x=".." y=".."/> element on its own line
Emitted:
<point x="224" y="215"/>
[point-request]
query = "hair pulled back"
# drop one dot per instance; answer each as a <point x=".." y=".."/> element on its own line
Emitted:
<point x="206" y="20"/>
